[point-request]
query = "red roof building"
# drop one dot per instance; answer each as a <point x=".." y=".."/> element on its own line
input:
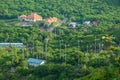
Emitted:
<point x="22" y="17"/>
<point x="32" y="17"/>
<point x="96" y="22"/>
<point x="50" y="20"/>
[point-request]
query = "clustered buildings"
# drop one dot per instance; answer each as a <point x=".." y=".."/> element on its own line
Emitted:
<point x="33" y="17"/>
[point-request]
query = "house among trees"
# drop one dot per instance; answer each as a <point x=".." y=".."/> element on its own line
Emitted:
<point x="50" y="20"/>
<point x="33" y="17"/>
<point x="95" y="22"/>
<point x="73" y="24"/>
<point x="35" y="62"/>
<point x="22" y="17"/>
<point x="18" y="45"/>
<point x="86" y="22"/>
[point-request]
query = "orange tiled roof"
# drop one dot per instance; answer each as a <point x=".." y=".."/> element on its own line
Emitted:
<point x="50" y="20"/>
<point x="22" y="16"/>
<point x="55" y="19"/>
<point x="34" y="16"/>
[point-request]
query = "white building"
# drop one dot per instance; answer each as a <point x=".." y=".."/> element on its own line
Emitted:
<point x="18" y="45"/>
<point x="87" y="22"/>
<point x="73" y="24"/>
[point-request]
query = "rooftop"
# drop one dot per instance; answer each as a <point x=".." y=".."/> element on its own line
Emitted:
<point x="23" y="16"/>
<point x="34" y="16"/>
<point x="50" y="20"/>
<point x="33" y="60"/>
<point x="11" y="44"/>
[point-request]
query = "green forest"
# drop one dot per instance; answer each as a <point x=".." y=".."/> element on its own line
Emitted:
<point x="86" y="52"/>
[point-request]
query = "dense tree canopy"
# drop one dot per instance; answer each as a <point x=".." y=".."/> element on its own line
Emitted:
<point x="86" y="52"/>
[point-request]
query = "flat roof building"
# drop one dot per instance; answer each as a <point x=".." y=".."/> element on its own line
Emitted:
<point x="35" y="62"/>
<point x="18" y="45"/>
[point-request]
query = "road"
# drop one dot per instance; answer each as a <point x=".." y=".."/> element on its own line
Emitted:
<point x="58" y="25"/>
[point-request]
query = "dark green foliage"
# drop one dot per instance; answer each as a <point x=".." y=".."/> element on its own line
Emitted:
<point x="77" y="10"/>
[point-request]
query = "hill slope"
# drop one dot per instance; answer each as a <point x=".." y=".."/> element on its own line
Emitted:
<point x="76" y="10"/>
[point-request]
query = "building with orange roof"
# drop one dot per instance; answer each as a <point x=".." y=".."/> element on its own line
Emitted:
<point x="33" y="17"/>
<point x="50" y="20"/>
<point x="55" y="19"/>
<point x="22" y="17"/>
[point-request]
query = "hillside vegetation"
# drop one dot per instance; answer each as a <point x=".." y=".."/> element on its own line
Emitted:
<point x="75" y="10"/>
<point x="86" y="52"/>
